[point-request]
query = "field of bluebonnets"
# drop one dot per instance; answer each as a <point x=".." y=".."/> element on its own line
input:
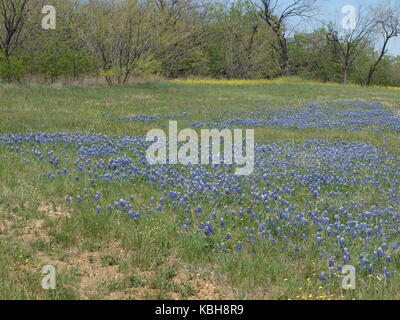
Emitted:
<point x="77" y="192"/>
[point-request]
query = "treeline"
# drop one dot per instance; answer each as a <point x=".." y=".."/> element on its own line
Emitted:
<point x="118" y="40"/>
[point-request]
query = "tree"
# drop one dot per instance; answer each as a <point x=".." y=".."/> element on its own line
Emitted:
<point x="180" y="22"/>
<point x="276" y="14"/>
<point x="237" y="42"/>
<point x="352" y="41"/>
<point x="387" y="27"/>
<point x="314" y="57"/>
<point x="59" y="52"/>
<point x="14" y="15"/>
<point x="121" y="37"/>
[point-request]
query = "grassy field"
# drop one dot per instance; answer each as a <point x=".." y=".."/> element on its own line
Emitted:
<point x="324" y="193"/>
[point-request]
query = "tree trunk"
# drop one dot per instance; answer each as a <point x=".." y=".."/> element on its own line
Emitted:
<point x="109" y="80"/>
<point x="285" y="57"/>
<point x="373" y="67"/>
<point x="346" y="72"/>
<point x="370" y="74"/>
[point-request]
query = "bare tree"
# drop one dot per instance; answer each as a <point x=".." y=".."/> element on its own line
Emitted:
<point x="276" y="14"/>
<point x="180" y="23"/>
<point x="349" y="43"/>
<point x="13" y="17"/>
<point x="387" y="28"/>
<point x="122" y="37"/>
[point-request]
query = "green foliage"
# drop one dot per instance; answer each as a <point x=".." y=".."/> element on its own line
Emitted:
<point x="238" y="43"/>
<point x="12" y="68"/>
<point x="122" y="39"/>
<point x="58" y="53"/>
<point x="313" y="57"/>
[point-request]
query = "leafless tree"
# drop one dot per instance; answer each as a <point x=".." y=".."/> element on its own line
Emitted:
<point x="350" y="42"/>
<point x="180" y="23"/>
<point x="387" y="27"/>
<point x="121" y="38"/>
<point x="13" y="17"/>
<point x="276" y="14"/>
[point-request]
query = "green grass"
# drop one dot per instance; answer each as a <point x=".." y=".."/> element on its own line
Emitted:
<point x="148" y="257"/>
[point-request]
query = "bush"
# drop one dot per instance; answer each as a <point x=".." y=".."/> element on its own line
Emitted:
<point x="12" y="68"/>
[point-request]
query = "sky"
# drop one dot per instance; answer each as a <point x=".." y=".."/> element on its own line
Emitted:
<point x="332" y="8"/>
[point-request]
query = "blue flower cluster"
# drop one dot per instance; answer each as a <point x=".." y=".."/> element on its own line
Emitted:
<point x="339" y="201"/>
<point x="141" y="118"/>
<point x="148" y="118"/>
<point x="322" y="116"/>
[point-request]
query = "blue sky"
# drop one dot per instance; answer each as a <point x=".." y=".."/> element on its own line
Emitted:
<point x="332" y="8"/>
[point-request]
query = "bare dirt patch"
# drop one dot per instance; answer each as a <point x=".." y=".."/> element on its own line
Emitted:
<point x="206" y="284"/>
<point x="34" y="229"/>
<point x="203" y="288"/>
<point x="4" y="226"/>
<point x="92" y="274"/>
<point x="5" y="223"/>
<point x="99" y="274"/>
<point x="88" y="269"/>
<point x="53" y="212"/>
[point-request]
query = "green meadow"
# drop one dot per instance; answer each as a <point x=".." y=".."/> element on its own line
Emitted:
<point x="111" y="256"/>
